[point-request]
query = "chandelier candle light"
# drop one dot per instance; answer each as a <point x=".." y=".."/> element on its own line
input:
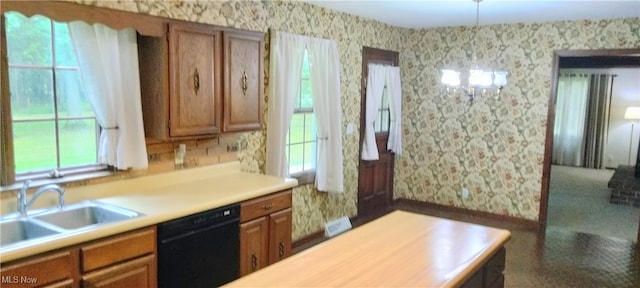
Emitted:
<point x="480" y="81"/>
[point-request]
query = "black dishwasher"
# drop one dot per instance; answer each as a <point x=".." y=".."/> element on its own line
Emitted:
<point x="200" y="250"/>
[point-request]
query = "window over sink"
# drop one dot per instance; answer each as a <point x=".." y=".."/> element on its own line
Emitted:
<point x="54" y="126"/>
<point x="73" y="96"/>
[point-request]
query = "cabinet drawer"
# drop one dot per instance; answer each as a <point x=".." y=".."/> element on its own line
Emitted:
<point x="135" y="273"/>
<point x="265" y="205"/>
<point x="45" y="269"/>
<point x="118" y="248"/>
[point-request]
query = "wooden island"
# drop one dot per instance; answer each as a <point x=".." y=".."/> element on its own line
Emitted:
<point x="399" y="249"/>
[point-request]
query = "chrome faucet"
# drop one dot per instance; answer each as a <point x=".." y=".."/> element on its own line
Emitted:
<point x="22" y="196"/>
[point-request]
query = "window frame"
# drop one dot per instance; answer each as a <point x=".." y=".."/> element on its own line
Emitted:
<point x="304" y="176"/>
<point x="383" y="111"/>
<point x="146" y="25"/>
<point x="8" y="173"/>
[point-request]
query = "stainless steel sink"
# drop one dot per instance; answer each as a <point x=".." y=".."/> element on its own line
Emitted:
<point x="18" y="230"/>
<point x="86" y="214"/>
<point x="49" y="224"/>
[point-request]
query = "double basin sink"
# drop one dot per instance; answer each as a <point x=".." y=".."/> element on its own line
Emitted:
<point x="52" y="222"/>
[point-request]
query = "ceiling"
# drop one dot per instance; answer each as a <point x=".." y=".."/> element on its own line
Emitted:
<point x="434" y="13"/>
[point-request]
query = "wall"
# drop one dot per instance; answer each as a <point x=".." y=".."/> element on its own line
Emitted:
<point x="495" y="147"/>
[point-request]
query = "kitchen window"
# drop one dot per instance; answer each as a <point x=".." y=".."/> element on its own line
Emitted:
<point x="301" y="146"/>
<point x="54" y="125"/>
<point x="61" y="118"/>
<point x="381" y="125"/>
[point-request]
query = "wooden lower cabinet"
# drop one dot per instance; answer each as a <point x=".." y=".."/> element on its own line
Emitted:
<point x="254" y="249"/>
<point x="265" y="231"/>
<point x="279" y="235"/>
<point x="124" y="260"/>
<point x="48" y="270"/>
<point x="491" y="275"/>
<point x="139" y="272"/>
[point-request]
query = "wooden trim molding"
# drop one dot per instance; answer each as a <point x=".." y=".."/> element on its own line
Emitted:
<point x="459" y="214"/>
<point x="7" y="161"/>
<point x="66" y="11"/>
<point x="508" y="220"/>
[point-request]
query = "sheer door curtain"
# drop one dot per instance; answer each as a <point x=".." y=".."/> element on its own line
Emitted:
<point x="582" y="119"/>
<point x="378" y="77"/>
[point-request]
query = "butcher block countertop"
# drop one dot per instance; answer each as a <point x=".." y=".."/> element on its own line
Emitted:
<point x="159" y="198"/>
<point x="400" y="249"/>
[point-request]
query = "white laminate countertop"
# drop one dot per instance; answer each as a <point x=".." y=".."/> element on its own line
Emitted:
<point x="159" y="197"/>
<point x="401" y="249"/>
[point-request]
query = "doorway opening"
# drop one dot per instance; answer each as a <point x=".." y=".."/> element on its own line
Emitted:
<point x="582" y="59"/>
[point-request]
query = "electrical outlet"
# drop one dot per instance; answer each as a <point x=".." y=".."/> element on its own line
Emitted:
<point x="232" y="148"/>
<point x="465" y="193"/>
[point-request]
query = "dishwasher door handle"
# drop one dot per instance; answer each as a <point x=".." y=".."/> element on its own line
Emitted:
<point x="166" y="239"/>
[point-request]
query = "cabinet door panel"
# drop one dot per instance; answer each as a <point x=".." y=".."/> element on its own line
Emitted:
<point x="135" y="273"/>
<point x="254" y="237"/>
<point x="279" y="235"/>
<point x="48" y="270"/>
<point x="243" y="81"/>
<point x="195" y="80"/>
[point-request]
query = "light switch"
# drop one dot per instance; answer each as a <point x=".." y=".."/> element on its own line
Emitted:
<point x="350" y="128"/>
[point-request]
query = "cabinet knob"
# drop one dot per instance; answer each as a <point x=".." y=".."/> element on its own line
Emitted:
<point x="244" y="83"/>
<point x="196" y="81"/>
<point x="267" y="206"/>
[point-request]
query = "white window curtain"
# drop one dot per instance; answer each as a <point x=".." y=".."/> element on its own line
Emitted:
<point x="285" y="68"/>
<point x="324" y="71"/>
<point x="571" y="109"/>
<point x="377" y="78"/>
<point x="108" y="61"/>
<point x="287" y="53"/>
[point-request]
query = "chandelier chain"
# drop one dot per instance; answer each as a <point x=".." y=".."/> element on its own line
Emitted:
<point x="474" y="59"/>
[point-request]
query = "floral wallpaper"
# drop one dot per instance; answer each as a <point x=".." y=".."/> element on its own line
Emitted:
<point x="494" y="147"/>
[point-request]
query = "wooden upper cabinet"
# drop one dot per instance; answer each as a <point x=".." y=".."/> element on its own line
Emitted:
<point x="195" y="80"/>
<point x="243" y="80"/>
<point x="201" y="80"/>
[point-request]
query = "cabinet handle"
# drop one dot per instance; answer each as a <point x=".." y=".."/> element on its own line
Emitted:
<point x="281" y="249"/>
<point x="254" y="262"/>
<point x="267" y="206"/>
<point x="196" y="81"/>
<point x="244" y="83"/>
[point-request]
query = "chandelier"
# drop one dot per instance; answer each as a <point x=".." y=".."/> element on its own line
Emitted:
<point x="480" y="81"/>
